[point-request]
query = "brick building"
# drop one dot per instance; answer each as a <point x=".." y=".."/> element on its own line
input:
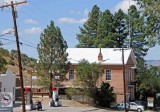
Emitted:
<point x="111" y="59"/>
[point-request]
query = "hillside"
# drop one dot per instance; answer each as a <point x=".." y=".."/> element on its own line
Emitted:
<point x="153" y="62"/>
<point x="28" y="64"/>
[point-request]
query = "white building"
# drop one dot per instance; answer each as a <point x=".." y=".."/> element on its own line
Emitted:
<point x="8" y="82"/>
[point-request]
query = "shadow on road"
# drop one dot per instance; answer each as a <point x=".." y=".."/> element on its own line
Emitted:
<point x="16" y="104"/>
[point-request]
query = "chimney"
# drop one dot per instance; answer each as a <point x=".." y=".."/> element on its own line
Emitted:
<point x="100" y="56"/>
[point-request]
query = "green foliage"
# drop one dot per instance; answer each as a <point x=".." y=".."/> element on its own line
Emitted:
<point x="148" y="81"/>
<point x="105" y="95"/>
<point x="87" y="76"/>
<point x="11" y="63"/>
<point x="2" y="65"/>
<point x="88" y="32"/>
<point x="151" y="12"/>
<point x="4" y="52"/>
<point x="138" y="41"/>
<point x="52" y="55"/>
<point x="72" y="91"/>
<point x="120" y="28"/>
<point x="105" y="30"/>
<point x="27" y="62"/>
<point x="3" y="62"/>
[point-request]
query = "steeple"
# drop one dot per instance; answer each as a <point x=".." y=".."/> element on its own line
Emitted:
<point x="100" y="56"/>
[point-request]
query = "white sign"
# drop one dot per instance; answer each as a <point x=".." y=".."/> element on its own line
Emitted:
<point x="6" y="99"/>
<point x="34" y="77"/>
<point x="150" y="101"/>
<point x="57" y="77"/>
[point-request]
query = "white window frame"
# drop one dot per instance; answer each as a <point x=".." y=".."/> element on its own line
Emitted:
<point x="107" y="75"/>
<point x="71" y="74"/>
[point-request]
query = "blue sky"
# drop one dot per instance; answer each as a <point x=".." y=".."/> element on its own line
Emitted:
<point x="35" y="15"/>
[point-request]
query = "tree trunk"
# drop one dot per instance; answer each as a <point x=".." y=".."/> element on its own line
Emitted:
<point x="50" y="86"/>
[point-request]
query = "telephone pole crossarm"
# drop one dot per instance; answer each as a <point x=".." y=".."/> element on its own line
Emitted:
<point x="17" y="3"/>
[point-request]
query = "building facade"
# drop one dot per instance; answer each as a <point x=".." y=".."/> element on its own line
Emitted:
<point x="111" y="59"/>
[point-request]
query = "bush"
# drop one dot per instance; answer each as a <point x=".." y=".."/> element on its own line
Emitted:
<point x="11" y="62"/>
<point x="105" y="95"/>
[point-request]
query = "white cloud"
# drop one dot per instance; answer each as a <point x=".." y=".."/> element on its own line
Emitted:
<point x="71" y="20"/>
<point x="34" y="30"/>
<point x="30" y="21"/>
<point x="9" y="1"/>
<point x="124" y="5"/>
<point x="8" y="30"/>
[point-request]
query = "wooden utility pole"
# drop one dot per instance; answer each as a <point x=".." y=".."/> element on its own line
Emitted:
<point x="124" y="80"/>
<point x="18" y="50"/>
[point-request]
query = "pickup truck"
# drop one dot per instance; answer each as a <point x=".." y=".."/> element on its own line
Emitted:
<point x="135" y="106"/>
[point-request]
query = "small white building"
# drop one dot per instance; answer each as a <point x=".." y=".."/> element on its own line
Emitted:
<point x="8" y="82"/>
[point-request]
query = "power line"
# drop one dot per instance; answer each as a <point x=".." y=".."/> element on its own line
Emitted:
<point x="21" y="43"/>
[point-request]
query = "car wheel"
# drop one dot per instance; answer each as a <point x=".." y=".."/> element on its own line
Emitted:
<point x="139" y="110"/>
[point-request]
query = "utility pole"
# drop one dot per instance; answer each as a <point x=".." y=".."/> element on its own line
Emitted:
<point x="124" y="77"/>
<point x="18" y="50"/>
<point x="124" y="80"/>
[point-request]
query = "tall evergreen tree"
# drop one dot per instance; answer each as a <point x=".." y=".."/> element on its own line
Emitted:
<point x="151" y="12"/>
<point x="52" y="55"/>
<point x="138" y="40"/>
<point x="88" y="32"/>
<point x="120" y="27"/>
<point x="105" y="31"/>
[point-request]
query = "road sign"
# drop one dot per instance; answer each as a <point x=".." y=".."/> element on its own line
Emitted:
<point x="6" y="101"/>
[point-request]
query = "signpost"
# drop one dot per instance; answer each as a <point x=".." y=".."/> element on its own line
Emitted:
<point x="6" y="102"/>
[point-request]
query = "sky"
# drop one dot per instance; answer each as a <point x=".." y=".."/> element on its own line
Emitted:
<point x="34" y="16"/>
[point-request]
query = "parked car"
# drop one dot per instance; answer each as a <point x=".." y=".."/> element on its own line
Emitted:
<point x="135" y="106"/>
<point x="120" y="106"/>
<point x="140" y="102"/>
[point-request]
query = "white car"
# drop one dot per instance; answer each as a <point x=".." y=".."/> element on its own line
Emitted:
<point x="135" y="106"/>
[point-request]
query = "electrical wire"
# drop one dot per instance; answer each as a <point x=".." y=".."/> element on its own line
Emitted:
<point x="21" y="43"/>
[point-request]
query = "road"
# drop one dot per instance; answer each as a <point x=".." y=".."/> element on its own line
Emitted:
<point x="46" y="108"/>
<point x="67" y="106"/>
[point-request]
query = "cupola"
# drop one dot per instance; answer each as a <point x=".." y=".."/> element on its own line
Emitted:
<point x="100" y="56"/>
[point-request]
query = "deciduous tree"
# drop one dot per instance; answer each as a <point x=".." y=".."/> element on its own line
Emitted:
<point x="87" y="76"/>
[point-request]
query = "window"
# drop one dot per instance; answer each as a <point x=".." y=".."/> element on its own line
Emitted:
<point x="71" y="74"/>
<point x="108" y="74"/>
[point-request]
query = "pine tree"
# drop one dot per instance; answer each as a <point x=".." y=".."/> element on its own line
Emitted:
<point x="151" y="12"/>
<point x="138" y="41"/>
<point x="88" y="32"/>
<point x="105" y="31"/>
<point x="120" y="27"/>
<point x="52" y="55"/>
